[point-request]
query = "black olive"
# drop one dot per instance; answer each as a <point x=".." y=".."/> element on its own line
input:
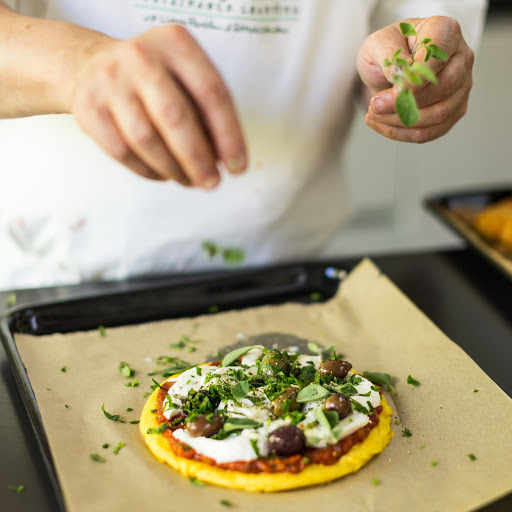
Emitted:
<point x="338" y="403"/>
<point x="285" y="402"/>
<point x="336" y="368"/>
<point x="287" y="440"/>
<point x="273" y="363"/>
<point x="204" y="425"/>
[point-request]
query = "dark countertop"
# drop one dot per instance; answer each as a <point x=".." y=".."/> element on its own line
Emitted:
<point x="465" y="297"/>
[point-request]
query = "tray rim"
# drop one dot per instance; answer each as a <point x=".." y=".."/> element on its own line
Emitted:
<point x="436" y="203"/>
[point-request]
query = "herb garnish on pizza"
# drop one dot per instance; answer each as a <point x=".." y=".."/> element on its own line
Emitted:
<point x="267" y="420"/>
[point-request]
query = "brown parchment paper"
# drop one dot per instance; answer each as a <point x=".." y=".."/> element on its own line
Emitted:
<point x="369" y="321"/>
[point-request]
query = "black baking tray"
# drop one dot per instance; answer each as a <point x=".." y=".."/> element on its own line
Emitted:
<point x="448" y="207"/>
<point x="173" y="297"/>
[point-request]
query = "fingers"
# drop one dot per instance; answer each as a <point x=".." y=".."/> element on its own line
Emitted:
<point x="138" y="131"/>
<point x="100" y="125"/>
<point x="177" y="122"/>
<point x="158" y="105"/>
<point x="415" y="135"/>
<point x="197" y="75"/>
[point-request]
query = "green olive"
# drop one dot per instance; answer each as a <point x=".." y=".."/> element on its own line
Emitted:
<point x="274" y="362"/>
<point x="204" y="425"/>
<point x="285" y="402"/>
<point x="338" y="403"/>
<point x="337" y="368"/>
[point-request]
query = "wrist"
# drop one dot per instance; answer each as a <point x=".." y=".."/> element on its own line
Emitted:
<point x="83" y="46"/>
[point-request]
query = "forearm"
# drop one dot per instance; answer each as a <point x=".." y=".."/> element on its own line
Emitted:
<point x="39" y="60"/>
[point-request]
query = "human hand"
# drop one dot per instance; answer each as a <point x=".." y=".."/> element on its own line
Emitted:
<point x="440" y="105"/>
<point x="157" y="104"/>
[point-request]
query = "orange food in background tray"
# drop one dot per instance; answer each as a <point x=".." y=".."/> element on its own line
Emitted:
<point x="495" y="224"/>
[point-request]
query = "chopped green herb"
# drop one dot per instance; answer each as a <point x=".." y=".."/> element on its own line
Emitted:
<point x="192" y="349"/>
<point x="48" y="389"/>
<point x="129" y="409"/>
<point x="134" y="422"/>
<point x="102" y="331"/>
<point x="11" y="300"/>
<point x="375" y="482"/>
<point x="17" y="488"/>
<point x="64" y="369"/>
<point x="125" y="369"/>
<point x="471" y="456"/>
<point x="154" y="372"/>
<point x="422" y="446"/>
<point x="196" y="482"/>
<point x="66" y="406"/>
<point x="407" y="432"/>
<point x="133" y="384"/>
<point x="180" y="344"/>
<point x="113" y="417"/>
<point x="475" y="391"/>
<point x="233" y="256"/>
<point x="233" y="424"/>
<point x="412" y="381"/>
<point x="397" y="421"/>
<point x="158" y="430"/>
<point x="96" y="457"/>
<point x="381" y="379"/>
<point x="105" y="445"/>
<point x="240" y="390"/>
<point x="118" y="447"/>
<point x="146" y="394"/>
<point x="433" y="463"/>
<point x="316" y="297"/>
<point x="213" y="309"/>
<point x="211" y="249"/>
<point x="254" y="445"/>
<point x="156" y="385"/>
<point x="226" y="503"/>
<point x="153" y="411"/>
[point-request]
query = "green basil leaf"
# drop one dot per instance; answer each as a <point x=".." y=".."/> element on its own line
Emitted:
<point x="312" y="393"/>
<point x="381" y="379"/>
<point x="406" y="108"/>
<point x="240" y="389"/>
<point x="321" y="418"/>
<point x="233" y="424"/>
<point x="407" y="30"/>
<point x="423" y="70"/>
<point x="437" y="53"/>
<point x="230" y="358"/>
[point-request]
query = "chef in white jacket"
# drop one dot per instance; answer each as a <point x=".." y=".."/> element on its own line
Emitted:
<point x="135" y="130"/>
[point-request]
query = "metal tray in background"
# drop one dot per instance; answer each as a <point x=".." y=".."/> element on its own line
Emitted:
<point x="456" y="208"/>
<point x="181" y="296"/>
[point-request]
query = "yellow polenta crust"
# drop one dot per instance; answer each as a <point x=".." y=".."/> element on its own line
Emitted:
<point x="314" y="474"/>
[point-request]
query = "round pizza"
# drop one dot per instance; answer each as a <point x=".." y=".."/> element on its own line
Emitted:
<point x="267" y="420"/>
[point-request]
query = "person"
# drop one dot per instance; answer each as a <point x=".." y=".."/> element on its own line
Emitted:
<point x="229" y="114"/>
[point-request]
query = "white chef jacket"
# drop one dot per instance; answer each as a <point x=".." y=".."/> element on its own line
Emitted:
<point x="70" y="213"/>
